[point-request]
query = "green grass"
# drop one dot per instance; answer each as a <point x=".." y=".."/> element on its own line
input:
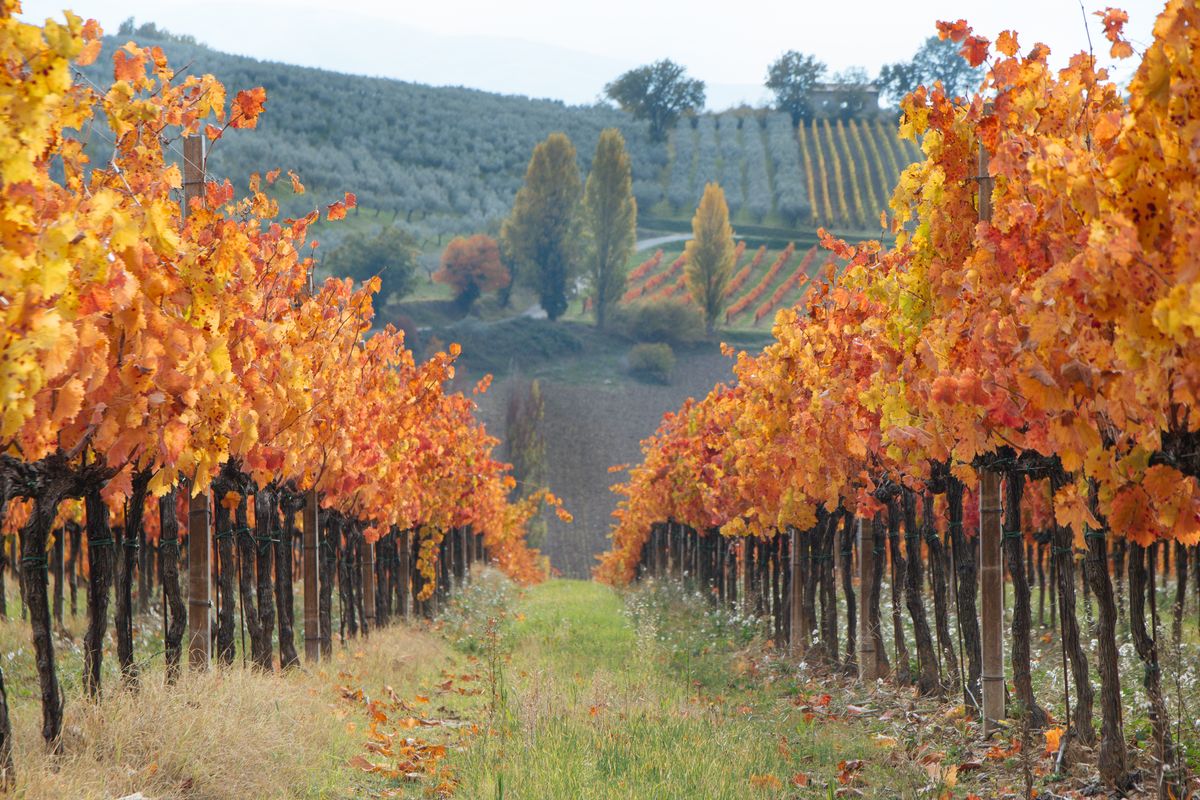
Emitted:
<point x="648" y="695"/>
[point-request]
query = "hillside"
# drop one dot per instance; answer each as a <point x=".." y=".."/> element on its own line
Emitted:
<point x="448" y="160"/>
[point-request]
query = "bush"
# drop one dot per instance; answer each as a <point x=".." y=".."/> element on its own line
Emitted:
<point x="653" y="362"/>
<point x="671" y="321"/>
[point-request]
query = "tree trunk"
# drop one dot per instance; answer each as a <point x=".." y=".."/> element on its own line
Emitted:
<point x="1112" y="756"/>
<point x="903" y="667"/>
<point x="928" y="681"/>
<point x="100" y="552"/>
<point x="174" y="610"/>
<point x="131" y="538"/>
<point x="1022" y="681"/>
<point x="966" y="582"/>
<point x="264" y="519"/>
<point x="1147" y="650"/>
<point x="941" y="612"/>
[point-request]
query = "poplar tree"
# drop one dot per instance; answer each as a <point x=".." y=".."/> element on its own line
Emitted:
<point x="609" y="222"/>
<point x="540" y="234"/>
<point x="710" y="255"/>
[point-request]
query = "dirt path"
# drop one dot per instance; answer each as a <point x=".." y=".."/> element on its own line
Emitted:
<point x="659" y="241"/>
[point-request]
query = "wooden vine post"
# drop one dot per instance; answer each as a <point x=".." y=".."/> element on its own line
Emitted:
<point x="200" y="503"/>
<point x="868" y="666"/>
<point x="991" y="575"/>
<point x="368" y="583"/>
<point x="312" y="632"/>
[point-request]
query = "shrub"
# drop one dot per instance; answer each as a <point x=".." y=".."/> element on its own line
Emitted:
<point x="471" y="266"/>
<point x="653" y="362"/>
<point x="662" y="321"/>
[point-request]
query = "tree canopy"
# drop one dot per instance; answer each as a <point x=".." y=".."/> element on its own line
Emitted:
<point x="541" y="233"/>
<point x="391" y="254"/>
<point x="710" y="254"/>
<point x="609" y="222"/>
<point x="472" y="266"/>
<point x="935" y="60"/>
<point x="791" y="77"/>
<point x="658" y="93"/>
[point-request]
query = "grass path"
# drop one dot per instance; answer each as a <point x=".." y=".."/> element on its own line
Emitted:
<point x="652" y="695"/>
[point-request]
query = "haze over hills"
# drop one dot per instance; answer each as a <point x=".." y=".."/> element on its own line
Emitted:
<point x="447" y="160"/>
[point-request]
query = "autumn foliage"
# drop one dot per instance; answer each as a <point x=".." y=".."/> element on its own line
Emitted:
<point x="145" y="350"/>
<point x="472" y="266"/>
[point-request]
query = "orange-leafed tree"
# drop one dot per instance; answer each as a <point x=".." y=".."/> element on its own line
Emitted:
<point x="471" y="266"/>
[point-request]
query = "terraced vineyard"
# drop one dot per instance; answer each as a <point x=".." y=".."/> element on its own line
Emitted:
<point x="763" y="281"/>
<point x="837" y="174"/>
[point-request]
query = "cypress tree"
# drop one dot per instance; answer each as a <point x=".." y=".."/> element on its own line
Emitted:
<point x="710" y="255"/>
<point x="540" y="233"/>
<point x="609" y="222"/>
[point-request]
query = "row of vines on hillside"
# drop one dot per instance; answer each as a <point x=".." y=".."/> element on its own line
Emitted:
<point x="153" y="352"/>
<point x="774" y="172"/>
<point x="1017" y="378"/>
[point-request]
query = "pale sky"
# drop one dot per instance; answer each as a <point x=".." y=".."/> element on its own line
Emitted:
<point x="568" y="50"/>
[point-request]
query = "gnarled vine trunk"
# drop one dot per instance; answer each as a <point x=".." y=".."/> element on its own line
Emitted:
<point x="1112" y="758"/>
<point x="849" y="530"/>
<point x="879" y="551"/>
<point x="928" y="679"/>
<point x="328" y="534"/>
<point x="226" y="568"/>
<point x="264" y="519"/>
<point x="244" y="540"/>
<point x="100" y="552"/>
<point x="1147" y="650"/>
<point x="903" y="673"/>
<point x="1064" y="557"/>
<point x="290" y="503"/>
<point x="966" y="582"/>
<point x="941" y="613"/>
<point x="131" y="539"/>
<point x="1022" y="681"/>
<point x="174" y="610"/>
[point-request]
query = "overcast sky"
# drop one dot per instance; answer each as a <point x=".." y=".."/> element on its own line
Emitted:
<point x="567" y="49"/>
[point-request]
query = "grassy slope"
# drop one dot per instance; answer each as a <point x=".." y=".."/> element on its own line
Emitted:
<point x="224" y="735"/>
<point x="648" y="696"/>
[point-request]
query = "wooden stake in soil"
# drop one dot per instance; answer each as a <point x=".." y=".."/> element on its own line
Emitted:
<point x="199" y="516"/>
<point x="991" y="600"/>
<point x="312" y="633"/>
<point x="199" y="582"/>
<point x="368" y="583"/>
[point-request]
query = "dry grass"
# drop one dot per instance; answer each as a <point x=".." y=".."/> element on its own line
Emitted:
<point x="228" y="733"/>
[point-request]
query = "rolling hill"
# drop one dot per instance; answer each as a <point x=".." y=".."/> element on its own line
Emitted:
<point x="445" y="161"/>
